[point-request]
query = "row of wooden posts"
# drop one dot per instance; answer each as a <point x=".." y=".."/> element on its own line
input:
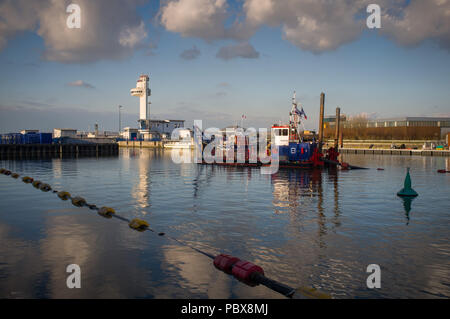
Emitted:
<point x="338" y="139"/>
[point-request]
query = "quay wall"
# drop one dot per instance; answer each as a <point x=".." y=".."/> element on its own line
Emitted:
<point x="56" y="150"/>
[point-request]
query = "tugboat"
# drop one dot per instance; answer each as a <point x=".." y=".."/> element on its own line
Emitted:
<point x="296" y="148"/>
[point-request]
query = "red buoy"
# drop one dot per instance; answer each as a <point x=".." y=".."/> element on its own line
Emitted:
<point x="380" y="169"/>
<point x="442" y="171"/>
<point x="243" y="270"/>
<point x="225" y="262"/>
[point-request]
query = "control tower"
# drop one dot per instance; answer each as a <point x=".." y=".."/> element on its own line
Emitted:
<point x="143" y="91"/>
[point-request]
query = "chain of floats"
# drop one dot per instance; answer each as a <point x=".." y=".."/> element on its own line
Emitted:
<point x="246" y="272"/>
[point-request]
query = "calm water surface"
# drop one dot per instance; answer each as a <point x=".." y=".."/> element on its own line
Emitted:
<point x="316" y="228"/>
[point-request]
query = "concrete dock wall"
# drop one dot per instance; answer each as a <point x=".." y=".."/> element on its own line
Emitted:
<point x="56" y="150"/>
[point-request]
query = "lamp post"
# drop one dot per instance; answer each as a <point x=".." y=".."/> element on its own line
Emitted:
<point x="120" y="124"/>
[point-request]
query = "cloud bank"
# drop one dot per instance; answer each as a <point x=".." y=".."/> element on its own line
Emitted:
<point x="113" y="29"/>
<point x="312" y="25"/>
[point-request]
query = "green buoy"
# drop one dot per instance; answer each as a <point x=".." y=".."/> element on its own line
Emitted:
<point x="407" y="191"/>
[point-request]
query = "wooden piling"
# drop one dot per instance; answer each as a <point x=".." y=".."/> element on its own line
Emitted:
<point x="338" y="127"/>
<point x="322" y="109"/>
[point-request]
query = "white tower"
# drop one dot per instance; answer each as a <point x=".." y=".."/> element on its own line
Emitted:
<point x="142" y="90"/>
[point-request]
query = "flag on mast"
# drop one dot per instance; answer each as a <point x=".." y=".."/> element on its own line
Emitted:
<point x="300" y="112"/>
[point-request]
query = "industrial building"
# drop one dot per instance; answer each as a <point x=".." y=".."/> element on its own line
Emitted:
<point x="330" y="120"/>
<point x="150" y="129"/>
<point x="442" y="122"/>
<point x="64" y="132"/>
<point x="391" y="128"/>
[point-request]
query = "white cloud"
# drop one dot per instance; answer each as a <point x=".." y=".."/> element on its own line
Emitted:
<point x="110" y="29"/>
<point x="417" y="22"/>
<point x="17" y="16"/>
<point x="322" y="25"/>
<point x="81" y="83"/>
<point x="195" y="18"/>
<point x="240" y="50"/>
<point x="313" y="25"/>
<point x="132" y="36"/>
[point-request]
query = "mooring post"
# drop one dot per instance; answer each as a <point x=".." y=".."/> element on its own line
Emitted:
<point x="338" y="127"/>
<point x="322" y="107"/>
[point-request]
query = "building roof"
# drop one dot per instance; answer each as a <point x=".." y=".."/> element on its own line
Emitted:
<point x="163" y="121"/>
<point x="412" y="119"/>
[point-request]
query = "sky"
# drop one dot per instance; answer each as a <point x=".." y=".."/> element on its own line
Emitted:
<point x="216" y="60"/>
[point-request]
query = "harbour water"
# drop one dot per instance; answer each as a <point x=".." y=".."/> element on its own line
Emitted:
<point x="319" y="228"/>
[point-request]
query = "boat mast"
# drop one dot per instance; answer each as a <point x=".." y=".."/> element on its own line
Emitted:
<point x="294" y="121"/>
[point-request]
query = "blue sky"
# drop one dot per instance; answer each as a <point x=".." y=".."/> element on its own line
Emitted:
<point x="381" y="73"/>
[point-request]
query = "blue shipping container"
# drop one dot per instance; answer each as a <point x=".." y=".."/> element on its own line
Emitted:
<point x="13" y="138"/>
<point x="45" y="138"/>
<point x="31" y="138"/>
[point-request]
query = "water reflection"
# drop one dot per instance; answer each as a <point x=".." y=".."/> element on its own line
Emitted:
<point x="333" y="175"/>
<point x="141" y="191"/>
<point x="290" y="186"/>
<point x="313" y="227"/>
<point x="407" y="206"/>
<point x="295" y="191"/>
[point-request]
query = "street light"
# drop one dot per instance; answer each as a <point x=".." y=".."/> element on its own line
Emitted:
<point x="120" y="124"/>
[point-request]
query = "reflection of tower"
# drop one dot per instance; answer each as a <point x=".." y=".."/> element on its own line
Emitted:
<point x="143" y="91"/>
<point x="141" y="191"/>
